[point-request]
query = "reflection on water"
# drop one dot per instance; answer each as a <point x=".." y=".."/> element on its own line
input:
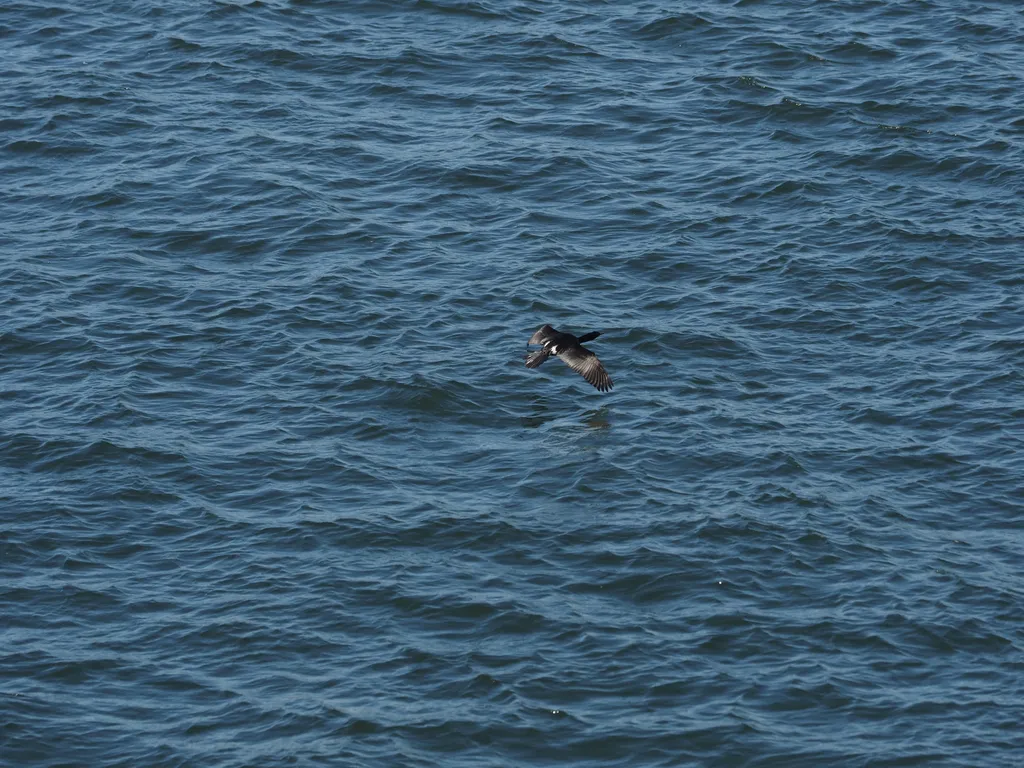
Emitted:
<point x="597" y="418"/>
<point x="567" y="418"/>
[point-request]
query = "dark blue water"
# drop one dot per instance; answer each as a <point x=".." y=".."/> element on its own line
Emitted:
<point x="276" y="489"/>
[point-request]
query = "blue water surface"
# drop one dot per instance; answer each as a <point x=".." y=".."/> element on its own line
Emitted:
<point x="277" y="490"/>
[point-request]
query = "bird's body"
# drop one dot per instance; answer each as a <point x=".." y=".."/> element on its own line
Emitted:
<point x="569" y="350"/>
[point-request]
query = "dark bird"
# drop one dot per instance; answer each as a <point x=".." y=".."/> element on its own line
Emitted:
<point x="571" y="352"/>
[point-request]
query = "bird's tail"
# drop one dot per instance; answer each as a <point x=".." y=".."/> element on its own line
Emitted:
<point x="588" y="336"/>
<point x="534" y="359"/>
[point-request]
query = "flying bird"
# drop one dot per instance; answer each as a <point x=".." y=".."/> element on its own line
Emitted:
<point x="569" y="350"/>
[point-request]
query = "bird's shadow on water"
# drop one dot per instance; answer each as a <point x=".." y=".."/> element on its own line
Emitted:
<point x="545" y="415"/>
<point x="598" y="418"/>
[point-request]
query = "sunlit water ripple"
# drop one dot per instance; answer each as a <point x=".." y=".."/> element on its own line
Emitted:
<point x="276" y="488"/>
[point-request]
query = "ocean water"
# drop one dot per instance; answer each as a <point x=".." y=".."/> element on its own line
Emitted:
<point x="277" y="490"/>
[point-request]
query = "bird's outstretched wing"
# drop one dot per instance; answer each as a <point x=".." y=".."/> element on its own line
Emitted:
<point x="586" y="364"/>
<point x="543" y="333"/>
<point x="534" y="359"/>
